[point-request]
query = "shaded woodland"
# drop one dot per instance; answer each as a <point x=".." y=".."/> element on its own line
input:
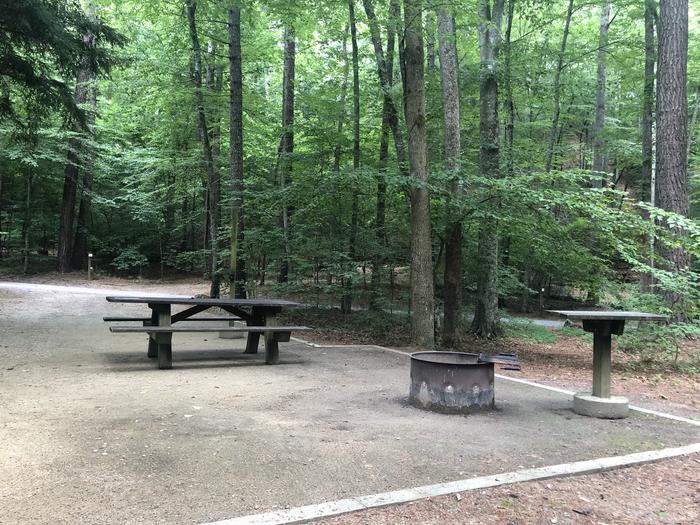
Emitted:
<point x="447" y="159"/>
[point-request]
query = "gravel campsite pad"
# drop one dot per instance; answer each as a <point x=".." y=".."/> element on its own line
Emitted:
<point x="91" y="431"/>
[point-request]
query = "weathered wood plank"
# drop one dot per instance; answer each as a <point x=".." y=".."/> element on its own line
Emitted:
<point x="148" y="319"/>
<point x="165" y="337"/>
<point x="272" y="349"/>
<point x="204" y="329"/>
<point x="257" y="319"/>
<point x="206" y="301"/>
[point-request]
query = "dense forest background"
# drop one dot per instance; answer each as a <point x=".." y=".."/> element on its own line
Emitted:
<point x="426" y="156"/>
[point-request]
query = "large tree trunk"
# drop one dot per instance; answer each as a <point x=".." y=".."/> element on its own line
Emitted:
<point x="70" y="184"/>
<point x="422" y="298"/>
<point x="599" y="161"/>
<point x="554" y="133"/>
<point x="71" y="171"/>
<point x="208" y="156"/>
<point x="672" y="132"/>
<point x="647" y="280"/>
<point x="237" y="261"/>
<point x="486" y="318"/>
<point x="346" y="305"/>
<point x="380" y="213"/>
<point x="286" y="143"/>
<point x="449" y="74"/>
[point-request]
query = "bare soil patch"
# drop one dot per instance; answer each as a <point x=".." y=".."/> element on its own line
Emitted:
<point x="663" y="492"/>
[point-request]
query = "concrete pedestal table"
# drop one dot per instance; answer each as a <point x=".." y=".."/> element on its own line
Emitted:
<point x="603" y="325"/>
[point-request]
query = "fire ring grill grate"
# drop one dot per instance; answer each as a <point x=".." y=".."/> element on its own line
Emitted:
<point x="453" y="382"/>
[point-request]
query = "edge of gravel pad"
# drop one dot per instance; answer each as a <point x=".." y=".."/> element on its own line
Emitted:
<point x="308" y="513"/>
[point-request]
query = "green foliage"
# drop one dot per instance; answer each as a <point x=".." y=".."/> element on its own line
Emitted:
<point x="661" y="346"/>
<point x="41" y="45"/>
<point x="149" y="189"/>
<point x="130" y="260"/>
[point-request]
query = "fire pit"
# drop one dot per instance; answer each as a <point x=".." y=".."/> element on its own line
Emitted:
<point x="454" y="382"/>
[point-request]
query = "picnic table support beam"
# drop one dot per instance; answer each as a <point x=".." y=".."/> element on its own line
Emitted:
<point x="256" y="319"/>
<point x="163" y="340"/>
<point x="603" y="331"/>
<point x="602" y="347"/>
<point x="272" y="349"/>
<point x="152" y="345"/>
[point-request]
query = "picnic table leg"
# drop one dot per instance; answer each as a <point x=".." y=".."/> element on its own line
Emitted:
<point x="152" y="345"/>
<point x="272" y="349"/>
<point x="257" y="319"/>
<point x="164" y="340"/>
<point x="602" y="343"/>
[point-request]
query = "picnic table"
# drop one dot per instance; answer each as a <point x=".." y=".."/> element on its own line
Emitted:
<point x="258" y="315"/>
<point x="603" y="325"/>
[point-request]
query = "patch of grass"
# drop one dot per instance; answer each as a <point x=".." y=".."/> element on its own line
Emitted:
<point x="528" y="331"/>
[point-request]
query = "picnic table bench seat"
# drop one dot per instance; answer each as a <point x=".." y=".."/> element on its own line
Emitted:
<point x="148" y="319"/>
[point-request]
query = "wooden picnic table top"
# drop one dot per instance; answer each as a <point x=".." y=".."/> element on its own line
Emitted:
<point x="611" y="315"/>
<point x="201" y="301"/>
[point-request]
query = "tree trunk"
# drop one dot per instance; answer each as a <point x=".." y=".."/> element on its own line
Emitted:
<point x="27" y="220"/>
<point x="71" y="171"/>
<point x="508" y="88"/>
<point x="80" y="246"/>
<point x="693" y="120"/>
<point x="338" y="150"/>
<point x="486" y="318"/>
<point x="647" y="280"/>
<point x="422" y="298"/>
<point x="392" y="115"/>
<point x="380" y="214"/>
<point x="599" y="161"/>
<point x="237" y="260"/>
<point x="430" y="37"/>
<point x="70" y="184"/>
<point x="554" y="133"/>
<point x="346" y="305"/>
<point x="449" y="74"/>
<point x="672" y="133"/>
<point x="286" y="143"/>
<point x="212" y="179"/>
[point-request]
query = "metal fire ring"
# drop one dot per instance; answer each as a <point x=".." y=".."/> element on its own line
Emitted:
<point x="451" y="382"/>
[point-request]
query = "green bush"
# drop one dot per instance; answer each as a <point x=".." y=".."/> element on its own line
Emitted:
<point x="661" y="345"/>
<point x="129" y="260"/>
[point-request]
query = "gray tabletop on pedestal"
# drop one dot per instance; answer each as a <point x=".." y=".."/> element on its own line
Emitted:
<point x="604" y="324"/>
<point x="611" y="315"/>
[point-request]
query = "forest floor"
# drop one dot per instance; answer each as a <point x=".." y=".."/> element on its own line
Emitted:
<point x="666" y="491"/>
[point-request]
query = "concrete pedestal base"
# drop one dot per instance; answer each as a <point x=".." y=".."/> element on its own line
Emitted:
<point x="233" y="335"/>
<point x="614" y="407"/>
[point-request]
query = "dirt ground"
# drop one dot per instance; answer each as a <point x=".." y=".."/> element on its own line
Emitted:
<point x="663" y="492"/>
